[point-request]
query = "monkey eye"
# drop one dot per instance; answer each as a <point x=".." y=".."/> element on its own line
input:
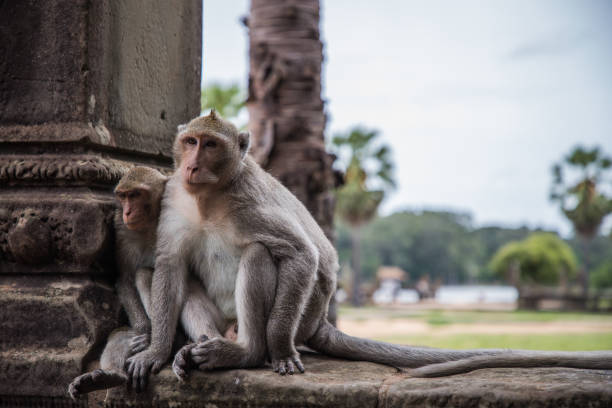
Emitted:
<point x="134" y="194"/>
<point x="191" y="140"/>
<point x="210" y="143"/>
<point x="121" y="195"/>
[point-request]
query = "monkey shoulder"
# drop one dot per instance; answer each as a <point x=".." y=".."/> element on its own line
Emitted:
<point x="274" y="216"/>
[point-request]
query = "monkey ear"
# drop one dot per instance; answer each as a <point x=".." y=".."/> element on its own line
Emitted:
<point x="244" y="142"/>
<point x="182" y="128"/>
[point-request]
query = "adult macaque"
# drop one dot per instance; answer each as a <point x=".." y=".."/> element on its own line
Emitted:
<point x="262" y="258"/>
<point x="139" y="193"/>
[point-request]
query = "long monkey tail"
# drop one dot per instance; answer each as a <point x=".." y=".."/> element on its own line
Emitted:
<point x="572" y="359"/>
<point x="333" y="342"/>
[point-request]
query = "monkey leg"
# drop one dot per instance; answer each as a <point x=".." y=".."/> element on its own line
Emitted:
<point x="295" y="282"/>
<point x="318" y="304"/>
<point x="199" y="315"/>
<point x="255" y="291"/>
<point x="111" y="373"/>
<point x="201" y="320"/>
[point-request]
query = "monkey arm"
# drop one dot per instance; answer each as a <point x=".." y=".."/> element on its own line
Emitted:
<point x="131" y="300"/>
<point x="167" y="296"/>
<point x="168" y="291"/>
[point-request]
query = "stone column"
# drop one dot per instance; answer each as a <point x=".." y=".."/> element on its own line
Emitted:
<point x="87" y="89"/>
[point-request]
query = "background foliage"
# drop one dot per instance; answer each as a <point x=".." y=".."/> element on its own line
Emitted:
<point x="446" y="246"/>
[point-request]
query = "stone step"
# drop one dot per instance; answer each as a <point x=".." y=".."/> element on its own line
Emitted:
<point x="333" y="382"/>
<point x="44" y="312"/>
<point x="39" y="371"/>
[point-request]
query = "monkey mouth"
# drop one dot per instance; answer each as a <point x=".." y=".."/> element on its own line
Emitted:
<point x="195" y="179"/>
<point x="135" y="225"/>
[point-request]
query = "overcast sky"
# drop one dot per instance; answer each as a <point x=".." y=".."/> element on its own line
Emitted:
<point x="476" y="98"/>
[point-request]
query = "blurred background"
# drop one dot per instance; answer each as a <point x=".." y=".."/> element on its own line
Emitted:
<point x="475" y="143"/>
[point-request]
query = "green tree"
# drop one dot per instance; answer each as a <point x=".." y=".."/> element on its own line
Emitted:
<point x="541" y="258"/>
<point x="601" y="277"/>
<point x="368" y="174"/>
<point x="580" y="200"/>
<point x="227" y="100"/>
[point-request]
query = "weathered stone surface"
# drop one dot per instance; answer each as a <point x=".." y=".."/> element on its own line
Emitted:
<point x="508" y="387"/>
<point x="44" y="70"/>
<point x="51" y="329"/>
<point x="36" y="372"/>
<point x="87" y="89"/>
<point x="331" y="382"/>
<point x="126" y="72"/>
<point x="44" y="232"/>
<point x="55" y="313"/>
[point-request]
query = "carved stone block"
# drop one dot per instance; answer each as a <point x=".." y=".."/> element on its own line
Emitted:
<point x="46" y="232"/>
<point x="87" y="89"/>
<point x="51" y="329"/>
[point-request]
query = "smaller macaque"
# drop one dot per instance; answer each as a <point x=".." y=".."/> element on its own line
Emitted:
<point x="139" y="194"/>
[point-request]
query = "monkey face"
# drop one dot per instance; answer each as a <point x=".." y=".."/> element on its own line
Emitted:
<point x="136" y="208"/>
<point x="204" y="157"/>
<point x="208" y="151"/>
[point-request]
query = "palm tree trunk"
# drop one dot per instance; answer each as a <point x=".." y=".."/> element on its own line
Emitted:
<point x="356" y="265"/>
<point x="584" y="271"/>
<point x="286" y="117"/>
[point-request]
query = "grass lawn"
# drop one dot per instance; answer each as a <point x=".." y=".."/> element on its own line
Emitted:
<point x="568" y="342"/>
<point x="449" y="316"/>
<point x="435" y="321"/>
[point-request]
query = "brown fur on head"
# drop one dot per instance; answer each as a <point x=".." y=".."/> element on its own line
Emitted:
<point x="139" y="192"/>
<point x="209" y="150"/>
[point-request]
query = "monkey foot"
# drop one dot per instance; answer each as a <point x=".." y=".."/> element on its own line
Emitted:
<point x="182" y="360"/>
<point x="287" y="365"/>
<point x="95" y="380"/>
<point x="218" y="353"/>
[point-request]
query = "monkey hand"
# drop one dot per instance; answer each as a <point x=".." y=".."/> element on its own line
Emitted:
<point x="139" y="343"/>
<point x="287" y="365"/>
<point x="139" y="366"/>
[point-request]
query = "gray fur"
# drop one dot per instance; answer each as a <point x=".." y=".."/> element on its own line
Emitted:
<point x="595" y="360"/>
<point x="280" y="300"/>
<point x="135" y="259"/>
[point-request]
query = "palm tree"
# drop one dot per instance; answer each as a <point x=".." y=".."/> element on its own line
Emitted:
<point x="286" y="117"/>
<point x="588" y="206"/>
<point x="368" y="172"/>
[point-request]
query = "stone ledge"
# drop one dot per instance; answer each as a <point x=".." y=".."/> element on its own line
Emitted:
<point x="333" y="382"/>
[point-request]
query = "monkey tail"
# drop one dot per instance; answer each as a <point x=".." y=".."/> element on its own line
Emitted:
<point x="333" y="342"/>
<point x="571" y="359"/>
<point x="432" y="362"/>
